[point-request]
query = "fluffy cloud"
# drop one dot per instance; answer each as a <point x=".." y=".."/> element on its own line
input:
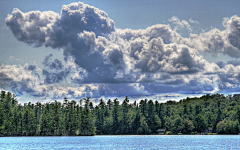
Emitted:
<point x="31" y="27"/>
<point x="232" y="26"/>
<point x="101" y="60"/>
<point x="216" y="41"/>
<point x="56" y="30"/>
<point x="181" y="24"/>
<point x="19" y="78"/>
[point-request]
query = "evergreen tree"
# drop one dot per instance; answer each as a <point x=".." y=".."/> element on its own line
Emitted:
<point x="87" y="127"/>
<point x="200" y="123"/>
<point x="69" y="118"/>
<point x="125" y="105"/>
<point x="143" y="129"/>
<point x="136" y="122"/>
<point x="115" y="116"/>
<point x="109" y="104"/>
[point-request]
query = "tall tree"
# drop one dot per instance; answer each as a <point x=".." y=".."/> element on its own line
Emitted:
<point x="125" y="105"/>
<point x="115" y="116"/>
<point x="87" y="127"/>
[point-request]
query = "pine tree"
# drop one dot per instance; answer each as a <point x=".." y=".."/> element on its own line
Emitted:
<point x="125" y="105"/>
<point x="115" y="116"/>
<point x="87" y="127"/>
<point x="143" y="129"/>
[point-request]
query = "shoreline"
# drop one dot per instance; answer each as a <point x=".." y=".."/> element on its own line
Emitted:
<point x="125" y="135"/>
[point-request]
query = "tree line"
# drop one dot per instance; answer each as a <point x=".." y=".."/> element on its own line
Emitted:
<point x="188" y="116"/>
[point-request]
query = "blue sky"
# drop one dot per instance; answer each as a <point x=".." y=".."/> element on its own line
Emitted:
<point x="153" y="49"/>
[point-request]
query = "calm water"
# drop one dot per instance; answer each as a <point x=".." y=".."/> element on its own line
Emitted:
<point x="124" y="142"/>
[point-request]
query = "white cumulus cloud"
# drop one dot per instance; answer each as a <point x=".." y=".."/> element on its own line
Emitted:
<point x="101" y="60"/>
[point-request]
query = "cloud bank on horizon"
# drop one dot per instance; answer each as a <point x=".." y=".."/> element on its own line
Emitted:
<point x="104" y="61"/>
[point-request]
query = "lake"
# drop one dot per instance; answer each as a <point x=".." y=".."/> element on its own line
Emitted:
<point x="123" y="142"/>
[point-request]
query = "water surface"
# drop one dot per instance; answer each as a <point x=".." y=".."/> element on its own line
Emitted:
<point x="123" y="142"/>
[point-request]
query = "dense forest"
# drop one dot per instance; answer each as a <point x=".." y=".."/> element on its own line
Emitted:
<point x="217" y="112"/>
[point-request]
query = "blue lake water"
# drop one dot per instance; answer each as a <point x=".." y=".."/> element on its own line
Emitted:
<point x="123" y="142"/>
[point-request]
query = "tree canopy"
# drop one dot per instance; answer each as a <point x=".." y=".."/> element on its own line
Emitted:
<point x="191" y="115"/>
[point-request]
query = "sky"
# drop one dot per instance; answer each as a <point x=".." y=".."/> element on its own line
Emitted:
<point x="153" y="49"/>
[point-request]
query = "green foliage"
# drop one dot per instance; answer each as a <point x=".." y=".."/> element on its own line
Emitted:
<point x="209" y="114"/>
<point x="143" y="129"/>
<point x="200" y="124"/>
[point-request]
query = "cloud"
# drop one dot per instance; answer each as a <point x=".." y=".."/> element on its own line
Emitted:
<point x="49" y="28"/>
<point x="31" y="27"/>
<point x="234" y="62"/>
<point x="193" y="21"/>
<point x="38" y="82"/>
<point x="56" y="64"/>
<point x="232" y="26"/>
<point x="19" y="78"/>
<point x="216" y="41"/>
<point x="172" y="58"/>
<point x="101" y="60"/>
<point x="181" y="24"/>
